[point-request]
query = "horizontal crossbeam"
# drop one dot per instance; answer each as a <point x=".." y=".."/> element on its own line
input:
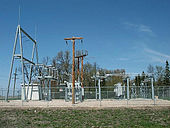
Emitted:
<point x="19" y="57"/>
<point x="74" y="38"/>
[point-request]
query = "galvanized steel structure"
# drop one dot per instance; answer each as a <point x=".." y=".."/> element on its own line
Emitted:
<point x="24" y="61"/>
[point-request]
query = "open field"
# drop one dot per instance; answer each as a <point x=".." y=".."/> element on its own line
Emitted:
<point x="56" y="117"/>
<point x="90" y="113"/>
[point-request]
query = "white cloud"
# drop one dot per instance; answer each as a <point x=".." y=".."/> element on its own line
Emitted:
<point x="156" y="56"/>
<point x="140" y="28"/>
<point x="144" y="28"/>
<point x="123" y="59"/>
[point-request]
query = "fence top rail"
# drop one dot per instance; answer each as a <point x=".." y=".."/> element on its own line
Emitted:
<point x="92" y="87"/>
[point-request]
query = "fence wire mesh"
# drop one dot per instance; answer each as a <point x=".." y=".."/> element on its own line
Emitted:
<point x="109" y="92"/>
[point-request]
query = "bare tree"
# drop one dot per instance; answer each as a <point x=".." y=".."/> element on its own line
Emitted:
<point x="159" y="73"/>
<point x="62" y="63"/>
<point x="151" y="69"/>
<point x="46" y="60"/>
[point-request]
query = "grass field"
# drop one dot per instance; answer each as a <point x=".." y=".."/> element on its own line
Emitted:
<point x="116" y="117"/>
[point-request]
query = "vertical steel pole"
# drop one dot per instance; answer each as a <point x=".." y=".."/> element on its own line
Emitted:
<point x="95" y="87"/>
<point x="36" y="50"/>
<point x="12" y="62"/>
<point x="73" y="73"/>
<point x="31" y="66"/>
<point x="49" y="97"/>
<point x="78" y="69"/>
<point x="15" y="77"/>
<point x="153" y="95"/>
<point x="46" y="89"/>
<point x="82" y="72"/>
<point x="99" y="89"/>
<point x="40" y="90"/>
<point x="124" y="90"/>
<point x="82" y="79"/>
<point x="127" y="88"/>
<point x="22" y="61"/>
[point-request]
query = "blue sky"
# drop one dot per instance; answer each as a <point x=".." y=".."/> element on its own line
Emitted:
<point x="126" y="34"/>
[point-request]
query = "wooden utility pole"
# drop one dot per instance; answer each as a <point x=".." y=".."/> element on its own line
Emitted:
<point x="82" y="78"/>
<point x="73" y="65"/>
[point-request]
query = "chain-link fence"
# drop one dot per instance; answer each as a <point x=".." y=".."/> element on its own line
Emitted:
<point x="13" y="94"/>
<point x="110" y="92"/>
<point x="162" y="92"/>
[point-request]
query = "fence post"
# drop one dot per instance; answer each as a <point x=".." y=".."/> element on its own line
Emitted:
<point x="99" y="90"/>
<point x="127" y="88"/>
<point x="163" y="92"/>
<point x="2" y="95"/>
<point x="96" y="92"/>
<point x="153" y="95"/>
<point x="49" y="90"/>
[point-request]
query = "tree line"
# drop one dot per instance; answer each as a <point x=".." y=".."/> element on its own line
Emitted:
<point x="63" y="63"/>
<point x="161" y="74"/>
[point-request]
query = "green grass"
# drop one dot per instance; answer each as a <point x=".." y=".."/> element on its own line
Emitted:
<point x="116" y="117"/>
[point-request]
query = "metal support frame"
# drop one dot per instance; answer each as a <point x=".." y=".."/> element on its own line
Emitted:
<point x="127" y="88"/>
<point x="99" y="89"/>
<point x="15" y="77"/>
<point x="20" y="56"/>
<point x="153" y="95"/>
<point x="95" y="86"/>
<point x="45" y="77"/>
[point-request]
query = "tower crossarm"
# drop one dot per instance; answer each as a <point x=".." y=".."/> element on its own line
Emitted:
<point x="19" y="57"/>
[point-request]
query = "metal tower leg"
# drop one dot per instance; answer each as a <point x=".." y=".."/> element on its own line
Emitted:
<point x="12" y="63"/>
<point x="31" y="65"/>
<point x="15" y="77"/>
<point x="22" y="62"/>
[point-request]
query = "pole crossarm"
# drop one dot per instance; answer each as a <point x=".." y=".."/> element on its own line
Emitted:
<point x="80" y="56"/>
<point x="126" y="74"/>
<point x="74" y="38"/>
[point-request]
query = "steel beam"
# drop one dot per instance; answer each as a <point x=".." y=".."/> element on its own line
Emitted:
<point x="28" y="36"/>
<point x="127" y="88"/>
<point x="22" y="62"/>
<point x="19" y="57"/>
<point x="12" y="62"/>
<point x="153" y="95"/>
<point x="15" y="77"/>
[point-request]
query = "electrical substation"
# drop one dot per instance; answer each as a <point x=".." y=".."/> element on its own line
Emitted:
<point x="40" y="82"/>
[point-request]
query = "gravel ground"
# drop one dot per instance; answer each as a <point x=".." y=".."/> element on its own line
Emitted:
<point x="87" y="103"/>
